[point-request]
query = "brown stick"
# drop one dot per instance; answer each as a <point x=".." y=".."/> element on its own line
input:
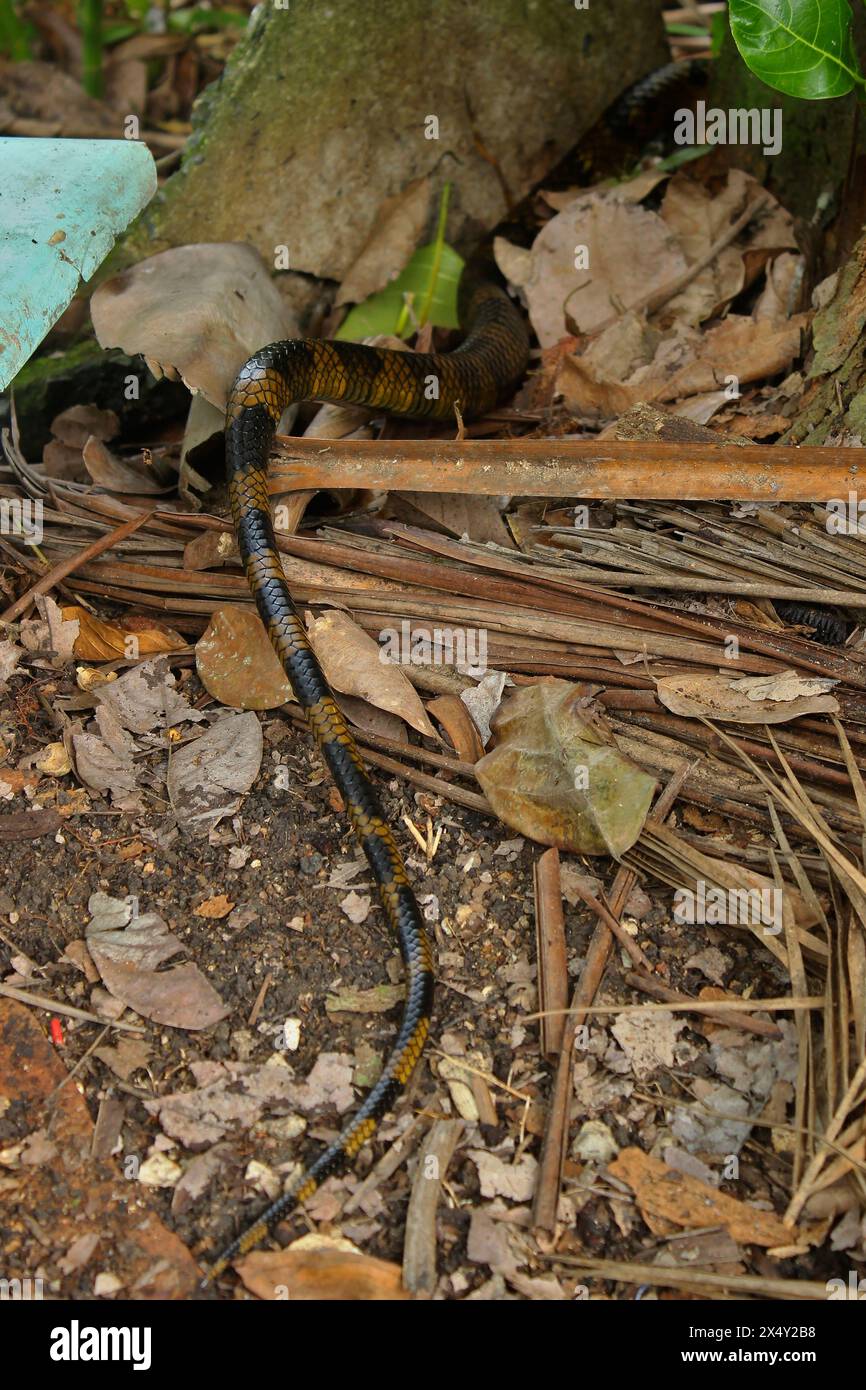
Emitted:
<point x="556" y="1129"/>
<point x="550" y="951"/>
<point x="609" y="468"/>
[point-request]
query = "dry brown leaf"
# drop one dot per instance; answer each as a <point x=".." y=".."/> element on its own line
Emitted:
<point x="236" y="662"/>
<point x="131" y="638"/>
<point x="761" y="700"/>
<point x="686" y="363"/>
<point x="459" y="725"/>
<point x="121" y="475"/>
<point x="321" y="1275"/>
<point x="629" y="253"/>
<point x="198" y="311"/>
<point x="127" y="951"/>
<point x="353" y="663"/>
<point x="669" y="1199"/>
<point x="396" y="231"/>
<point x="214" y="908"/>
<point x="698" y="217"/>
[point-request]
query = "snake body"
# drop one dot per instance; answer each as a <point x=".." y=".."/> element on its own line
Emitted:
<point x="482" y="371"/>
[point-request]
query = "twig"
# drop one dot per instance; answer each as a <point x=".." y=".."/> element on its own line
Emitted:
<point x="40" y="1001"/>
<point x="550" y="951"/>
<point x="624" y="1273"/>
<point x="553" y="1147"/>
<point x="419" y="1248"/>
<point x="730" y="1019"/>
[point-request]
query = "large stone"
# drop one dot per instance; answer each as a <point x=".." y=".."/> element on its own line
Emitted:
<point x="326" y="109"/>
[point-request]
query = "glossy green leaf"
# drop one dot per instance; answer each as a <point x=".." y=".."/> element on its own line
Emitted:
<point x="381" y="313"/>
<point x="800" y="47"/>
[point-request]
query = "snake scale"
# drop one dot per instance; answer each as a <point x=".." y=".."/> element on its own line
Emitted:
<point x="477" y="375"/>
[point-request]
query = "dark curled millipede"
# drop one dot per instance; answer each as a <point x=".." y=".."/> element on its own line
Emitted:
<point x="483" y="370"/>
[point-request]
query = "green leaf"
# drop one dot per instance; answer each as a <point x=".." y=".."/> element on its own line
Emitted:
<point x="694" y="31"/>
<point x="800" y="47"/>
<point x="681" y="157"/>
<point x="382" y="311"/>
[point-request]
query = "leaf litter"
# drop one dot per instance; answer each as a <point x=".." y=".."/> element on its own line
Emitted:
<point x="616" y="618"/>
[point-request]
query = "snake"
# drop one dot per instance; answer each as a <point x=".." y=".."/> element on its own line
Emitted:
<point x="481" y="372"/>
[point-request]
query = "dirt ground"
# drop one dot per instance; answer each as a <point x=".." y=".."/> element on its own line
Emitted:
<point x="283" y="947"/>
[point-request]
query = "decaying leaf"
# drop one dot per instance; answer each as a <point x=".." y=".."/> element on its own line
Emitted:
<point x="127" y="949"/>
<point x="669" y="1199"/>
<point x="196" y="311"/>
<point x="10" y="655"/>
<point x="557" y="775"/>
<point x="648" y="1039"/>
<point x="622" y="251"/>
<point x="236" y="662"/>
<point x="321" y="1275"/>
<point x="396" y="232"/>
<point x="146" y="698"/>
<point x="747" y="700"/>
<point x="500" y="1177"/>
<point x="131" y="638"/>
<point x="207" y="778"/>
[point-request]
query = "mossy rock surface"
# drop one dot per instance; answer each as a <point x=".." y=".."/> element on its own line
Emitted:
<point x="326" y="109"/>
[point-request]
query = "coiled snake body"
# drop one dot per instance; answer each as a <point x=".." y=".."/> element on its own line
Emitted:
<point x="479" y="373"/>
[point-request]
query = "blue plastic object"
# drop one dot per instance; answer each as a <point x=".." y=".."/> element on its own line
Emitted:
<point x="63" y="203"/>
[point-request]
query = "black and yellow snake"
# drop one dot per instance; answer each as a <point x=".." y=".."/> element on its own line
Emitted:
<point x="477" y="375"/>
<point x="480" y="373"/>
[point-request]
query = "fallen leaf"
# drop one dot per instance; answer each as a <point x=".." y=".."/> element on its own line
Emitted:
<point x="499" y="1178"/>
<point x="208" y="777"/>
<point x="237" y="664"/>
<point x="145" y="698"/>
<point x="214" y="908"/>
<point x="127" y="954"/>
<point x="357" y="665"/>
<point x="196" y="311"/>
<point x="624" y="252"/>
<point x="321" y="1275"/>
<point x="396" y="232"/>
<point x="378" y="1000"/>
<point x="670" y="1199"/>
<point x="648" y="1040"/>
<point x="98" y="640"/>
<point x="557" y="775"/>
<point x="747" y="700"/>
